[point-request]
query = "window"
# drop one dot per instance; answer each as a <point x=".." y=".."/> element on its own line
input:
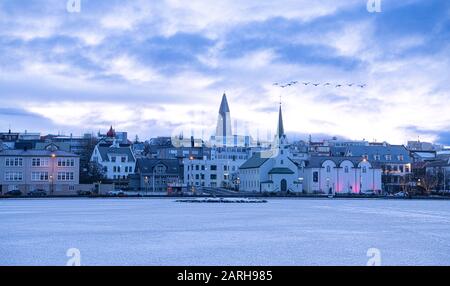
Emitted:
<point x="346" y="169"/>
<point x="388" y="157"/>
<point x="364" y="169"/>
<point x="315" y="177"/>
<point x="13" y="176"/>
<point x="113" y="159"/>
<point x="400" y="157"/>
<point x="65" y="176"/>
<point x="123" y="159"/>
<point x="213" y="167"/>
<point x="39" y="176"/>
<point x="281" y="162"/>
<point x="66" y="162"/>
<point x="328" y="169"/>
<point x="13" y="162"/>
<point x="376" y="157"/>
<point x="213" y="176"/>
<point x="39" y="162"/>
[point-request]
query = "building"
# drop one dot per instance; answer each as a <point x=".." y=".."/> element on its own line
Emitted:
<point x="440" y="170"/>
<point x="116" y="160"/>
<point x="222" y="173"/>
<point x="166" y="148"/>
<point x="157" y="175"/>
<point x="224" y="136"/>
<point x="280" y="170"/>
<point x="52" y="170"/>
<point x="272" y="170"/>
<point x="331" y="175"/>
<point x="394" y="160"/>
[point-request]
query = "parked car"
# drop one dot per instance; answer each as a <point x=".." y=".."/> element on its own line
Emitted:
<point x="369" y="192"/>
<point x="13" y="193"/>
<point x="37" y="193"/>
<point x="401" y="194"/>
<point x="116" y="193"/>
<point x="84" y="193"/>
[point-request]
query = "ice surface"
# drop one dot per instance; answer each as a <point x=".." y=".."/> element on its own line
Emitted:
<point x="124" y="231"/>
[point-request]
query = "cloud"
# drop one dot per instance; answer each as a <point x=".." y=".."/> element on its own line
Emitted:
<point x="157" y="67"/>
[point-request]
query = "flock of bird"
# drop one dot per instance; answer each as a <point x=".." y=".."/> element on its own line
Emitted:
<point x="320" y="84"/>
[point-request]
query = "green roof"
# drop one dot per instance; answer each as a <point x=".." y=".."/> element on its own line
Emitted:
<point x="257" y="160"/>
<point x="281" y="171"/>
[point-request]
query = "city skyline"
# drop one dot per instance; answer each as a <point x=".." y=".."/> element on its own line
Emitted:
<point x="155" y="69"/>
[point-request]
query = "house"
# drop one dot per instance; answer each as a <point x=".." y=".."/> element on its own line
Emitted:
<point x="116" y="160"/>
<point x="49" y="169"/>
<point x="440" y="169"/>
<point x="394" y="160"/>
<point x="220" y="172"/>
<point x="156" y="175"/>
<point x="332" y="175"/>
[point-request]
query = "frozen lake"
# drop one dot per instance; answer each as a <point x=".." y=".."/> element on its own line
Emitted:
<point x="280" y="232"/>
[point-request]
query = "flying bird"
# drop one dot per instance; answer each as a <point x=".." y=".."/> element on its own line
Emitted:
<point x="327" y="83"/>
<point x="362" y="85"/>
<point x="316" y="84"/>
<point x="338" y="85"/>
<point x="276" y="83"/>
<point x="350" y="84"/>
<point x="306" y="83"/>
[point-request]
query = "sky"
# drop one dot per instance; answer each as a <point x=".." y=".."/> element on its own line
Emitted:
<point x="159" y="68"/>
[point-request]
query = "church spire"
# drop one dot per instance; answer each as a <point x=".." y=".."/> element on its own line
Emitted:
<point x="280" y="128"/>
<point x="223" y="129"/>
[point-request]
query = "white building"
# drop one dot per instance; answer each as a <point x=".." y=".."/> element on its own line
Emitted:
<point x="222" y="173"/>
<point x="116" y="160"/>
<point x="277" y="170"/>
<point x="332" y="175"/>
<point x="272" y="170"/>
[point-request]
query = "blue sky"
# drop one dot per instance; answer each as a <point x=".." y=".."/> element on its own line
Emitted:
<point x="160" y="67"/>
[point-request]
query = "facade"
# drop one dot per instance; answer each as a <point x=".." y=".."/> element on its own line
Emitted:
<point x="157" y="175"/>
<point x="331" y="175"/>
<point x="394" y="160"/>
<point x="116" y="160"/>
<point x="440" y="169"/>
<point x="222" y="173"/>
<point x="51" y="170"/>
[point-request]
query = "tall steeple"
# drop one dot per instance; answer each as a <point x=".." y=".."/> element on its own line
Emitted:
<point x="280" y="137"/>
<point x="223" y="128"/>
<point x="280" y="128"/>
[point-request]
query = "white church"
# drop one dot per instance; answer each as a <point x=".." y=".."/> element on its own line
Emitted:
<point x="276" y="170"/>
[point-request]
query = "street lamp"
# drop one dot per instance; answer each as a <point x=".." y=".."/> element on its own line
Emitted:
<point x="53" y="172"/>
<point x="146" y="184"/>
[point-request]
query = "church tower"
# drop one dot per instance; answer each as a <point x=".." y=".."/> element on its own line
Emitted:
<point x="280" y="137"/>
<point x="223" y="129"/>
